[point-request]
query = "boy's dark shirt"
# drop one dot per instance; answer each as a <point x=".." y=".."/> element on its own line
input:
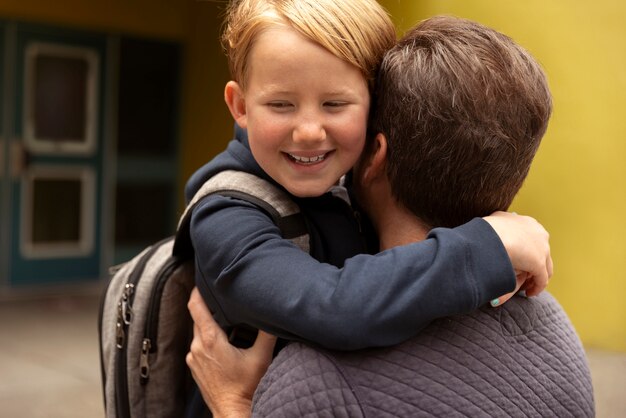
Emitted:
<point x="376" y="300"/>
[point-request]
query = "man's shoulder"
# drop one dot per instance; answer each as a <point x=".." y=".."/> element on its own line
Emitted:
<point x="304" y="381"/>
<point x="523" y="356"/>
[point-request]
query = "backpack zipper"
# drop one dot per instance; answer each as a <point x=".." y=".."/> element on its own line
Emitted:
<point x="103" y="374"/>
<point x="124" y="318"/>
<point x="148" y="344"/>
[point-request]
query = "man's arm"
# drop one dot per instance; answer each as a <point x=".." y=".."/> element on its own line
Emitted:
<point x="226" y="376"/>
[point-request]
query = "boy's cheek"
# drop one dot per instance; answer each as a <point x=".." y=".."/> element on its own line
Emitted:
<point x="266" y="130"/>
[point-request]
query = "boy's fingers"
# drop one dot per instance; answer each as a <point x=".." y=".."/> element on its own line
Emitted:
<point x="502" y="299"/>
<point x="538" y="284"/>
<point x="550" y="266"/>
<point x="522" y="281"/>
<point x="532" y="290"/>
<point x="532" y="285"/>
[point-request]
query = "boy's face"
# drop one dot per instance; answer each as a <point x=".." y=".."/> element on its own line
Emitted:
<point x="305" y="111"/>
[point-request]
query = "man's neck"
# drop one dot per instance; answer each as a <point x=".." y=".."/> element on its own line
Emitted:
<point x="399" y="227"/>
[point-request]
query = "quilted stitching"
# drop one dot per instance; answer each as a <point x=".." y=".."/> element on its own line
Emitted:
<point x="284" y="393"/>
<point x="533" y="366"/>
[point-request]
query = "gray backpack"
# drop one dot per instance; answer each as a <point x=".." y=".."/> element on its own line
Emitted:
<point x="144" y="325"/>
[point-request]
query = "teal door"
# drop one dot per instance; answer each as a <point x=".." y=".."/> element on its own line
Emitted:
<point x="4" y="185"/>
<point x="55" y="148"/>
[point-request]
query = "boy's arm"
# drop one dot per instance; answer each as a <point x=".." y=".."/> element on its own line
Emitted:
<point x="249" y="274"/>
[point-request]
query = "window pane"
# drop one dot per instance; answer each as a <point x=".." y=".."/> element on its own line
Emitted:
<point x="56" y="210"/>
<point x="60" y="98"/>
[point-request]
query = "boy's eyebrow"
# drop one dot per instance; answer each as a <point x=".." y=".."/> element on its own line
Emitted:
<point x="340" y="92"/>
<point x="274" y="89"/>
<point x="269" y="90"/>
<point x="333" y="93"/>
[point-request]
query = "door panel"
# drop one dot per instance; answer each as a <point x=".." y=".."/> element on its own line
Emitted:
<point x="56" y="184"/>
<point x="4" y="175"/>
<point x="58" y="204"/>
<point x="60" y="99"/>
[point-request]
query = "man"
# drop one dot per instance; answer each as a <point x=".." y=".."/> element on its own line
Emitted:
<point x="460" y="111"/>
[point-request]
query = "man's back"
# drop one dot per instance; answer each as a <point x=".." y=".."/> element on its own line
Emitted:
<point x="522" y="359"/>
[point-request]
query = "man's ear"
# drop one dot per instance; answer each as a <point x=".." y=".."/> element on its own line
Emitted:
<point x="376" y="162"/>
<point x="236" y="102"/>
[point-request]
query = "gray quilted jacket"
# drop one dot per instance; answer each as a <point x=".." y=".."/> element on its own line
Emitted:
<point x="523" y="359"/>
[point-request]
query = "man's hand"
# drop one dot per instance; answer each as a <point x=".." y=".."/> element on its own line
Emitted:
<point x="226" y="375"/>
<point x="528" y="246"/>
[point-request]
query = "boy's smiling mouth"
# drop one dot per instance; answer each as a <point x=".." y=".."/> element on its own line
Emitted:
<point x="307" y="160"/>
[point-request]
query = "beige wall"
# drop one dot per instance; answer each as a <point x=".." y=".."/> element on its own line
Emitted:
<point x="577" y="186"/>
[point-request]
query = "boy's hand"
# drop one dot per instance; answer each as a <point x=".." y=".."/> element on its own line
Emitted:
<point x="528" y="246"/>
<point x="226" y="375"/>
<point x="522" y="283"/>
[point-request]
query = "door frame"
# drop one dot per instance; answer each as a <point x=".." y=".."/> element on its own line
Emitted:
<point x="7" y="53"/>
<point x="13" y="113"/>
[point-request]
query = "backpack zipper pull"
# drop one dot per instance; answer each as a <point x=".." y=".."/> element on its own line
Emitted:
<point x="119" y="326"/>
<point x="144" y="364"/>
<point x="120" y="336"/>
<point x="124" y="315"/>
<point x="127" y="309"/>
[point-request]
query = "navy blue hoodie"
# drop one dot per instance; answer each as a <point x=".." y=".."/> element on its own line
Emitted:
<point x="337" y="296"/>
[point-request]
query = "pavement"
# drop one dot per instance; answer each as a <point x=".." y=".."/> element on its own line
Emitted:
<point x="50" y="367"/>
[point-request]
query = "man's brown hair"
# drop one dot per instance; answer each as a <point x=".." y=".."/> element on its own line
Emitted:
<point x="464" y="109"/>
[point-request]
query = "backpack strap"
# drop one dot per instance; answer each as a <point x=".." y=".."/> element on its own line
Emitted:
<point x="245" y="186"/>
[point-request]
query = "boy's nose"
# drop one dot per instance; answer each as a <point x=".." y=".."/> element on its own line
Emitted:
<point x="309" y="131"/>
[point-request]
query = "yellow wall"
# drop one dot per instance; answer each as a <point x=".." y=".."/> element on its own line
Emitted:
<point x="207" y="124"/>
<point x="164" y="18"/>
<point x="577" y="185"/>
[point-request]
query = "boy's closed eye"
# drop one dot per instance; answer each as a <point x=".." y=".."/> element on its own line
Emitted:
<point x="280" y="105"/>
<point x="335" y="103"/>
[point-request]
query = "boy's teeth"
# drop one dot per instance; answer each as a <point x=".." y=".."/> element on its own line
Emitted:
<point x="308" y="160"/>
